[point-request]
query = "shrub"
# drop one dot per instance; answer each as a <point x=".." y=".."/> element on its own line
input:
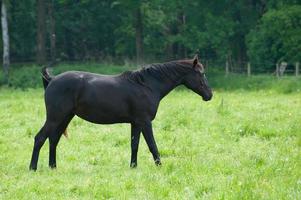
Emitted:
<point x="30" y="77"/>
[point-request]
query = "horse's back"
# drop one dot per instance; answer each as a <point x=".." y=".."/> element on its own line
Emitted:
<point x="73" y="81"/>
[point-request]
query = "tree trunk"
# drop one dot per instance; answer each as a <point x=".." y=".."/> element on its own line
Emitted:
<point x="41" y="31"/>
<point x="139" y="35"/>
<point x="5" y="38"/>
<point x="52" y="35"/>
<point x="68" y="45"/>
<point x="184" y="29"/>
<point x="182" y="51"/>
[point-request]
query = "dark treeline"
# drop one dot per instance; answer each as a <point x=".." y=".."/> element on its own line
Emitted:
<point x="259" y="31"/>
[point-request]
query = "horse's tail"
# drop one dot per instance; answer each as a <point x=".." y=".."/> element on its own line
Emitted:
<point x="46" y="77"/>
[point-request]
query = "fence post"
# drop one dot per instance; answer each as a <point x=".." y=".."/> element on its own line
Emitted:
<point x="297" y="69"/>
<point x="249" y="68"/>
<point x="227" y="68"/>
<point x="282" y="67"/>
<point x="277" y="70"/>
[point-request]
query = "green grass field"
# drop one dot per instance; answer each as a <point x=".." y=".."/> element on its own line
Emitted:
<point x="241" y="145"/>
<point x="244" y="144"/>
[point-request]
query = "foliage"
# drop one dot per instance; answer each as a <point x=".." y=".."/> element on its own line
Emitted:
<point x="241" y="145"/>
<point x="97" y="30"/>
<point x="277" y="38"/>
<point x="22" y="29"/>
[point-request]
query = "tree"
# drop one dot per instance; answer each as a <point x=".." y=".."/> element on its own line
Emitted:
<point x="139" y="34"/>
<point x="52" y="35"/>
<point x="141" y="30"/>
<point x="41" y="32"/>
<point x="136" y="28"/>
<point x="5" y="38"/>
<point x="277" y="37"/>
<point x="22" y="20"/>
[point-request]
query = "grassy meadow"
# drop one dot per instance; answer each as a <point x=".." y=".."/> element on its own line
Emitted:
<point x="244" y="144"/>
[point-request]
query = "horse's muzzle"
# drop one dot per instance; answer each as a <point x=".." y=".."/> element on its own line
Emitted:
<point x="207" y="97"/>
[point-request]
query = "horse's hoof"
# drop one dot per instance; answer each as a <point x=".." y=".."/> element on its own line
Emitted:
<point x="31" y="168"/>
<point x="158" y="162"/>
<point x="133" y="165"/>
<point x="53" y="166"/>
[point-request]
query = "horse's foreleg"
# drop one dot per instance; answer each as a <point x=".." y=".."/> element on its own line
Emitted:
<point x="150" y="140"/>
<point x="135" y="136"/>
<point x="39" y="140"/>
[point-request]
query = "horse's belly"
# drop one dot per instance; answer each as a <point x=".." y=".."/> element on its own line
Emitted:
<point x="99" y="118"/>
<point x="104" y="113"/>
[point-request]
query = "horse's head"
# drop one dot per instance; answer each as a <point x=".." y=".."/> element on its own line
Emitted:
<point x="197" y="81"/>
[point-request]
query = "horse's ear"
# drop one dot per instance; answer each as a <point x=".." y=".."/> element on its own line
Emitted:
<point x="195" y="60"/>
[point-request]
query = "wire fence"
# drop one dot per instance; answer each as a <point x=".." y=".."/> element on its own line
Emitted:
<point x="226" y="67"/>
<point x="248" y="68"/>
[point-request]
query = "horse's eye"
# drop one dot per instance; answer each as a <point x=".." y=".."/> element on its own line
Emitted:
<point x="202" y="75"/>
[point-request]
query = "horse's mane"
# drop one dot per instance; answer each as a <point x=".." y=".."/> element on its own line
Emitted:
<point x="168" y="70"/>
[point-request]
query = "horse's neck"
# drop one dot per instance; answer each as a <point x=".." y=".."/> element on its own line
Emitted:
<point x="162" y="87"/>
<point x="163" y="78"/>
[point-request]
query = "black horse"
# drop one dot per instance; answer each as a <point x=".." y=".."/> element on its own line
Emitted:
<point x="131" y="97"/>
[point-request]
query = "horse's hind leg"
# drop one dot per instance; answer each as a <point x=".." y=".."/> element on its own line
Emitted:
<point x="49" y="129"/>
<point x="52" y="130"/>
<point x="54" y="138"/>
<point x="39" y="140"/>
